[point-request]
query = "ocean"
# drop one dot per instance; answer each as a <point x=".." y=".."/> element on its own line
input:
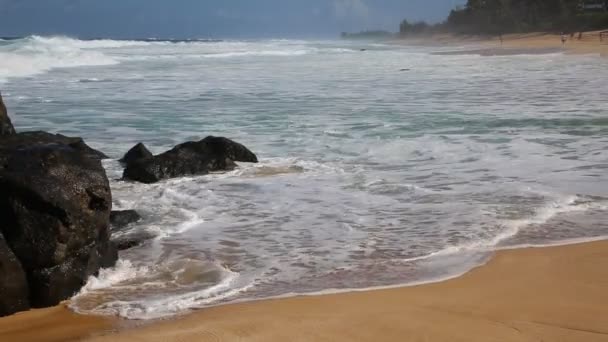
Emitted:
<point x="380" y="164"/>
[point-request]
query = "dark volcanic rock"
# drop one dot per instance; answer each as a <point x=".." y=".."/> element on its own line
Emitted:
<point x="122" y="218"/>
<point x="126" y="238"/>
<point x="190" y="158"/>
<point x="127" y="243"/>
<point x="14" y="291"/>
<point x="137" y="152"/>
<point x="39" y="138"/>
<point x="6" y="126"/>
<point x="135" y="239"/>
<point x="55" y="204"/>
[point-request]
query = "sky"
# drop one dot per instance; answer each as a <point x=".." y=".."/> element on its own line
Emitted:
<point x="212" y="18"/>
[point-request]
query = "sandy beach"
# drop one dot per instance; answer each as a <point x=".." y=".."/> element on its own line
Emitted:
<point x="517" y="44"/>
<point x="272" y="171"/>
<point x="589" y="43"/>
<point x="53" y="325"/>
<point x="534" y="294"/>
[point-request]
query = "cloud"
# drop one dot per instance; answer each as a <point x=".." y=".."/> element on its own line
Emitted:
<point x="351" y="9"/>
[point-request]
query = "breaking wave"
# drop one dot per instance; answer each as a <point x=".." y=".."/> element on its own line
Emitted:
<point x="36" y="55"/>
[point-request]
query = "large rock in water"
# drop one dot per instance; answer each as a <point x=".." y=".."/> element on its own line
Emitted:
<point x="137" y="152"/>
<point x="55" y="204"/>
<point x="191" y="158"/>
<point x="6" y="126"/>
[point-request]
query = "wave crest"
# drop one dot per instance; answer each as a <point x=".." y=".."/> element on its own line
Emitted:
<point x="36" y="55"/>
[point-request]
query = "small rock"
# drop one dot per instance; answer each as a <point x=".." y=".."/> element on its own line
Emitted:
<point x="122" y="218"/>
<point x="132" y="240"/>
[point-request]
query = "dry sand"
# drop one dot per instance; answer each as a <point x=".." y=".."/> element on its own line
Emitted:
<point x="545" y="294"/>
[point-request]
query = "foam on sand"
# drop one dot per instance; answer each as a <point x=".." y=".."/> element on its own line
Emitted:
<point x="188" y="284"/>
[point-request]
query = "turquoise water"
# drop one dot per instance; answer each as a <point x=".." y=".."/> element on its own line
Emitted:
<point x="369" y="176"/>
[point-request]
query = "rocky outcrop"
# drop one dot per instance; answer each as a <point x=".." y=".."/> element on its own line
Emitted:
<point x="191" y="158"/>
<point x="6" y="126"/>
<point x="137" y="152"/>
<point x="123" y="218"/>
<point x="55" y="205"/>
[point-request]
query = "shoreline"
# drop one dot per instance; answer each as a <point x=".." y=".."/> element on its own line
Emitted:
<point x="515" y="44"/>
<point x="449" y="302"/>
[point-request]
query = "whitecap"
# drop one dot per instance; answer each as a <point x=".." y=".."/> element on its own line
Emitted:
<point x="36" y="55"/>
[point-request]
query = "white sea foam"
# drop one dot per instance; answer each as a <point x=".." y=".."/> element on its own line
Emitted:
<point x="279" y="166"/>
<point x="280" y="53"/>
<point x="124" y="270"/>
<point x="71" y="43"/>
<point x="35" y="55"/>
<point x="133" y="279"/>
<point x="513" y="227"/>
<point x="192" y="221"/>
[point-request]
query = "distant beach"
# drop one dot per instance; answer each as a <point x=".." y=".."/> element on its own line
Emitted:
<point x="517" y="44"/>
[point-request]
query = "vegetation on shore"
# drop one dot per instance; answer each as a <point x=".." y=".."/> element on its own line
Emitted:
<point x="517" y="16"/>
<point x="520" y="16"/>
<point x="484" y="17"/>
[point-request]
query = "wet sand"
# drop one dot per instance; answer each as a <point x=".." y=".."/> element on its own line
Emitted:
<point x="534" y="294"/>
<point x="53" y="325"/>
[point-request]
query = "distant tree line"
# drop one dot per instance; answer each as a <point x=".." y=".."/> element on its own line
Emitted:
<point x="416" y="28"/>
<point x="514" y="16"/>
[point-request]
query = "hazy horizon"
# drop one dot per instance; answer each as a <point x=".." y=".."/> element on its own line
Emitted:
<point x="212" y="19"/>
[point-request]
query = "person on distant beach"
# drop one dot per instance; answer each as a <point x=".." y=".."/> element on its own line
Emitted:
<point x="564" y="38"/>
<point x="500" y="37"/>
